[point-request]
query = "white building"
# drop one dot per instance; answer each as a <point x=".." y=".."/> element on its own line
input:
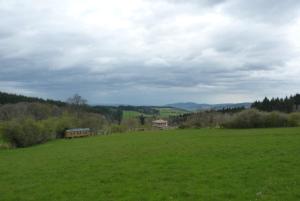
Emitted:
<point x="162" y="124"/>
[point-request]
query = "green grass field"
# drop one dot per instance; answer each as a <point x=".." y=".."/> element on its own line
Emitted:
<point x="185" y="165"/>
<point x="163" y="113"/>
<point x="127" y="114"/>
<point x="166" y="112"/>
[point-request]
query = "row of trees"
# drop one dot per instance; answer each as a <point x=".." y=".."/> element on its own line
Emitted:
<point x="7" y="98"/>
<point x="13" y="103"/>
<point x="257" y="119"/>
<point x="27" y="123"/>
<point x="287" y="104"/>
<point x="113" y="114"/>
<point x="250" y="118"/>
<point x="26" y="131"/>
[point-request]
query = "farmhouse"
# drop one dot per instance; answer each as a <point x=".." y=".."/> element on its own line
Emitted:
<point x="78" y="132"/>
<point x="162" y="124"/>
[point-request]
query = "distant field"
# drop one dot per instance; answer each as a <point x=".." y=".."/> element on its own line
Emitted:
<point x="182" y="165"/>
<point x="166" y="112"/>
<point x="132" y="114"/>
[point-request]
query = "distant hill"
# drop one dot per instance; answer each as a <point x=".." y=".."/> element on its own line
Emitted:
<point x="190" y="106"/>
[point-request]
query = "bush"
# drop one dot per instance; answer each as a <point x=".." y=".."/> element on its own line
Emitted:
<point x="118" y="128"/>
<point x="294" y="119"/>
<point x="26" y="132"/>
<point x="204" y="119"/>
<point x="276" y="119"/>
<point x="27" y="124"/>
<point x="131" y="124"/>
<point x="92" y="120"/>
<point x="63" y="123"/>
<point x="255" y="119"/>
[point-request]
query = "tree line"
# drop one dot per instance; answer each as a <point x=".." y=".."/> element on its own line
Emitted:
<point x="113" y="114"/>
<point x="26" y="121"/>
<point x="6" y="98"/>
<point x="287" y="104"/>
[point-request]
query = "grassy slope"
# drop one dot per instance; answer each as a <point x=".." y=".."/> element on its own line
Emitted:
<point x="127" y="114"/>
<point x="166" y="112"/>
<point x="206" y="164"/>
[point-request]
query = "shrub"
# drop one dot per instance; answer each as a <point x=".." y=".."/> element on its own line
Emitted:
<point x="63" y="123"/>
<point x="26" y="132"/>
<point x="294" y="119"/>
<point x="92" y="120"/>
<point x="255" y="119"/>
<point x="37" y="123"/>
<point x="131" y="123"/>
<point x="118" y="128"/>
<point x="211" y="119"/>
<point x="276" y="119"/>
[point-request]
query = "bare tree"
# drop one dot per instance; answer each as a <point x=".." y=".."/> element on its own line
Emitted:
<point x="77" y="103"/>
<point x="77" y="100"/>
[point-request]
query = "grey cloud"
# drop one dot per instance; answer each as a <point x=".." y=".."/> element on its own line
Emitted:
<point x="272" y="11"/>
<point x="199" y="2"/>
<point x="193" y="50"/>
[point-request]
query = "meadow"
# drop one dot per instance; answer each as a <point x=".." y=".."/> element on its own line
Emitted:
<point x="195" y="164"/>
<point x="164" y="112"/>
<point x="167" y="112"/>
<point x="128" y="114"/>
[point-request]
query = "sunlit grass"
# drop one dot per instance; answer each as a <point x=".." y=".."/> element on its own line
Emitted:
<point x="167" y="112"/>
<point x="204" y="164"/>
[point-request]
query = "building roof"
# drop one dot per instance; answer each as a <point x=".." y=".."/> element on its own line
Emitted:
<point x="160" y="121"/>
<point x="78" y="129"/>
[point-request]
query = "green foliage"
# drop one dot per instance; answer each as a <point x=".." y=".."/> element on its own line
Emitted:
<point x="246" y="119"/>
<point x="142" y="120"/>
<point x="61" y="124"/>
<point x="112" y="114"/>
<point x="131" y="114"/>
<point x="175" y="165"/>
<point x="255" y="119"/>
<point x="92" y="120"/>
<point x="147" y="110"/>
<point x="6" y="98"/>
<point x="287" y="104"/>
<point x="37" y="111"/>
<point x="26" y="131"/>
<point x="250" y="118"/>
<point x="169" y="111"/>
<point x="118" y="128"/>
<point x="3" y="143"/>
<point x="203" y="119"/>
<point x="275" y="119"/>
<point x="131" y="124"/>
<point x="294" y="119"/>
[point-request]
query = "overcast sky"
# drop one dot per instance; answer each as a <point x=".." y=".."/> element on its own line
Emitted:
<point x="150" y="52"/>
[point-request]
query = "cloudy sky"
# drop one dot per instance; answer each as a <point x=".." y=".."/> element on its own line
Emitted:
<point x="150" y="52"/>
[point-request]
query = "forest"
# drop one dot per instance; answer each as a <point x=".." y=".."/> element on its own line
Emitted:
<point x="287" y="104"/>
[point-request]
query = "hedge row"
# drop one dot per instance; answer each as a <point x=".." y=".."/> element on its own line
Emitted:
<point x="256" y="119"/>
<point x="26" y="131"/>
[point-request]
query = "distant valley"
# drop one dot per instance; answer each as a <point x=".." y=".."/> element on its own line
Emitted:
<point x="191" y="106"/>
